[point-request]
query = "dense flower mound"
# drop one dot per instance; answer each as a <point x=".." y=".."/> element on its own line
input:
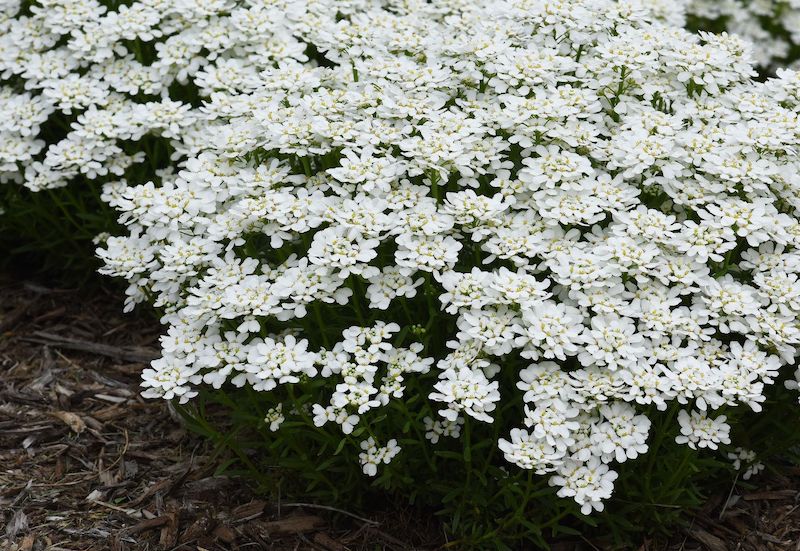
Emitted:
<point x="773" y="26"/>
<point x="79" y="80"/>
<point x="549" y="216"/>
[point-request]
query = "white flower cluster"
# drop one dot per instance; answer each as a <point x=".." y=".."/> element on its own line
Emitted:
<point x="746" y="458"/>
<point x="699" y="430"/>
<point x="90" y="63"/>
<point x="772" y="26"/>
<point x="574" y="196"/>
<point x="436" y="428"/>
<point x="373" y="455"/>
<point x="356" y="359"/>
<point x="274" y="418"/>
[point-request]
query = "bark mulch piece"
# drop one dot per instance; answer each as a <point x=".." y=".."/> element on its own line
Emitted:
<point x="86" y="464"/>
<point x="747" y="519"/>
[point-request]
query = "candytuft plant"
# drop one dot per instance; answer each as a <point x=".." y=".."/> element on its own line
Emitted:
<point x="86" y="104"/>
<point x="532" y="263"/>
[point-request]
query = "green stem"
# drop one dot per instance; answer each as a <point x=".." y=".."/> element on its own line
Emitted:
<point x="355" y="302"/>
<point x="321" y="323"/>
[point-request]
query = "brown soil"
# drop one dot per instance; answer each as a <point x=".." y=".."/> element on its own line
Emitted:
<point x="86" y="464"/>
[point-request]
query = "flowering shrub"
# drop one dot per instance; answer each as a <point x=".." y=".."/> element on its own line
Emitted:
<point x="484" y="252"/>
<point x="101" y="92"/>
<point x="94" y="94"/>
<point x="91" y="65"/>
<point x="773" y="26"/>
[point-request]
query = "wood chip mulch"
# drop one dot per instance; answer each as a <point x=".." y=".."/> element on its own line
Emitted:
<point x="86" y="464"/>
<point x="764" y="515"/>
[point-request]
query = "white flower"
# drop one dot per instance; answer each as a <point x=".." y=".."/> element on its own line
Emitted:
<point x="745" y="458"/>
<point x="698" y="430"/>
<point x="612" y="342"/>
<point x="373" y="455"/>
<point x="170" y="378"/>
<point x="273" y="362"/>
<point x="345" y="250"/>
<point x="553" y="421"/>
<point x="367" y="169"/>
<point x="746" y="20"/>
<point x="543" y="381"/>
<point x="552" y="166"/>
<point x="492" y="327"/>
<point x="587" y="483"/>
<point x="622" y="434"/>
<point x="436" y="428"/>
<point x="390" y="284"/>
<point x="530" y="452"/>
<point x="551" y="330"/>
<point x="430" y="254"/>
<point x="466" y="390"/>
<point x="274" y="417"/>
<point x="347" y="421"/>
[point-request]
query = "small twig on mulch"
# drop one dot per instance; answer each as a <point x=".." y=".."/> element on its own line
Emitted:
<point x="333" y="509"/>
<point x="127" y="354"/>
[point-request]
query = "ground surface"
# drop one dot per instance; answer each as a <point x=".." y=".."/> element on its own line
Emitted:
<point x="88" y="465"/>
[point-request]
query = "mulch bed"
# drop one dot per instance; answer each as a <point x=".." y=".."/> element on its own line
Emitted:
<point x="86" y="464"/>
